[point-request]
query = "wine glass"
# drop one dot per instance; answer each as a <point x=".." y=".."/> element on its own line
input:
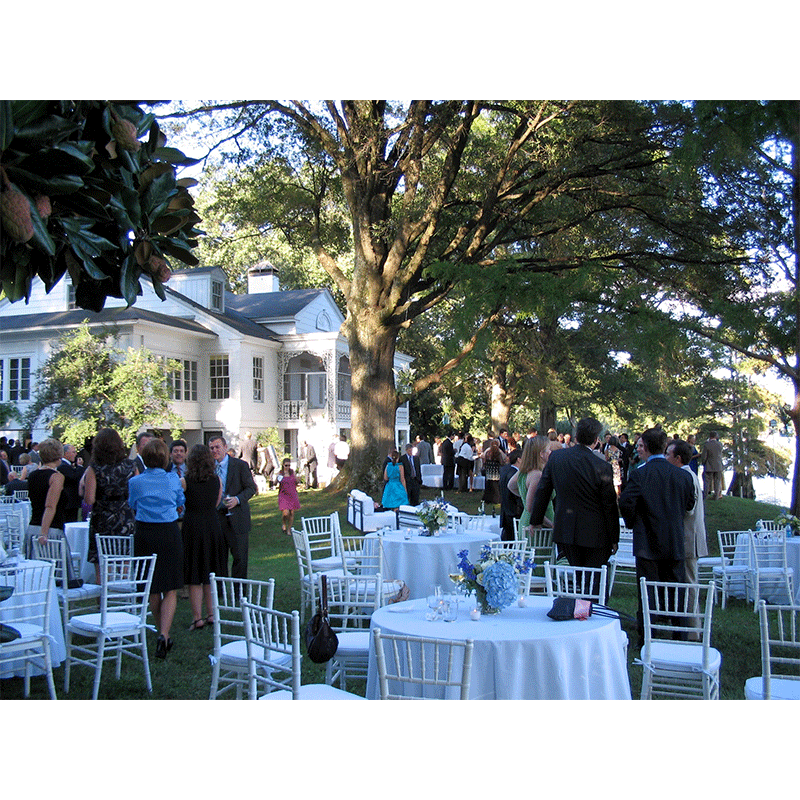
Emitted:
<point x="225" y="503"/>
<point x="457" y="578"/>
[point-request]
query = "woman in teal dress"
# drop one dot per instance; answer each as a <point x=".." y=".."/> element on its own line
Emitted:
<point x="524" y="483"/>
<point x="394" y="493"/>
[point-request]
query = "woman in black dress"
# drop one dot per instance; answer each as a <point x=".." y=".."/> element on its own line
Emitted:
<point x="105" y="491"/>
<point x="202" y="535"/>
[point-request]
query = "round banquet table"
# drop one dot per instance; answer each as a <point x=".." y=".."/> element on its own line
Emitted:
<point x="58" y="649"/>
<point x="520" y="653"/>
<point x="425" y="561"/>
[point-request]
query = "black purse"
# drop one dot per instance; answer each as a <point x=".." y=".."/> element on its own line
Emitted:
<point x="321" y="640"/>
<point x="576" y="608"/>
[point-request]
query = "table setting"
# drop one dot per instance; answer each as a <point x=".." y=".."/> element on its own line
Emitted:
<point x="519" y="653"/>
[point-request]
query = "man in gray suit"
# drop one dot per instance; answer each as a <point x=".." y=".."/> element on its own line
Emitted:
<point x="711" y="459"/>
<point x="238" y="487"/>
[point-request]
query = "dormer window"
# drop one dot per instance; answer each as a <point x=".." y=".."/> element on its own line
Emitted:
<point x="216" y="295"/>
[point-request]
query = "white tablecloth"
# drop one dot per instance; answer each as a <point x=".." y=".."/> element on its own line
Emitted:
<point x="778" y="596"/>
<point x="424" y="561"/>
<point x="58" y="650"/>
<point x="77" y="534"/>
<point x="520" y="653"/>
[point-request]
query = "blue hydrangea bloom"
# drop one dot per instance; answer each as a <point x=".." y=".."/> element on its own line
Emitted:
<point x="500" y="582"/>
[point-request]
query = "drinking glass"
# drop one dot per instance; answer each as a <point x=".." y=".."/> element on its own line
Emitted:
<point x="450" y="608"/>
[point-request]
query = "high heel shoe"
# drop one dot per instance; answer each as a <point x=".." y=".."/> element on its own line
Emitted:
<point x="161" y="647"/>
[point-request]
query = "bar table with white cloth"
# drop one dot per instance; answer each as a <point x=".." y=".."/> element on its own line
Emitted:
<point x="520" y="653"/>
<point x="58" y="649"/>
<point x="425" y="561"/>
<point x="741" y="557"/>
<point x="77" y="534"/>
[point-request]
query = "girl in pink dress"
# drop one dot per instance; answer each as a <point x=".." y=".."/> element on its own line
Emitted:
<point x="288" y="501"/>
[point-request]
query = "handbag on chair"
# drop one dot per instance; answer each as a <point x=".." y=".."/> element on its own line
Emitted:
<point x="321" y="639"/>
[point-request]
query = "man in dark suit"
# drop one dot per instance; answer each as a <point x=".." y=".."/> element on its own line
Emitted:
<point x="72" y="477"/>
<point x="653" y="503"/>
<point x="411" y="471"/>
<point x="247" y="451"/>
<point x="510" y="504"/>
<point x="238" y="487"/>
<point x="586" y="518"/>
<point x="141" y="440"/>
<point x="448" y="463"/>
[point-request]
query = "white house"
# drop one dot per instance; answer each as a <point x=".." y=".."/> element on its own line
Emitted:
<point x="269" y="358"/>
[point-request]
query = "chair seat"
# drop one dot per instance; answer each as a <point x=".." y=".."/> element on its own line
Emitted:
<point x="665" y="654"/>
<point x="352" y="643"/>
<point x="707" y="561"/>
<point x="235" y="653"/>
<point x="731" y="569"/>
<point x="313" y="691"/>
<point x="330" y="562"/>
<point x="780" y="688"/>
<point x="27" y="632"/>
<point x="116" y="622"/>
<point x="83" y="592"/>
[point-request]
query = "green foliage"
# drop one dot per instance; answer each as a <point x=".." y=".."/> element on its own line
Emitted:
<point x="270" y="436"/>
<point x="7" y="412"/>
<point x="104" y="205"/>
<point x="86" y="384"/>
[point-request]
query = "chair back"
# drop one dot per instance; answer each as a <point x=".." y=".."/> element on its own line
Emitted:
<point x="125" y="586"/>
<point x="353" y="599"/>
<point x="7" y="499"/>
<point x="33" y="586"/>
<point x="727" y="545"/>
<point x="518" y="548"/>
<point x="114" y="545"/>
<point x="20" y="494"/>
<point x="588" y="583"/>
<point x="768" y="550"/>
<point x="321" y="534"/>
<point x="11" y="531"/>
<point x="682" y="608"/>
<point x="227" y="595"/>
<point x="273" y="649"/>
<point x="780" y="645"/>
<point x="407" y="518"/>
<point x="421" y="668"/>
<point x="55" y="551"/>
<point x="540" y="545"/>
<point x="769" y="525"/>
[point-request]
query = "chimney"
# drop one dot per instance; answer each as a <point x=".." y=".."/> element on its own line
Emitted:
<point x="263" y="278"/>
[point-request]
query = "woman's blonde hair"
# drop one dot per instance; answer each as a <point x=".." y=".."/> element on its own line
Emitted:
<point x="532" y="454"/>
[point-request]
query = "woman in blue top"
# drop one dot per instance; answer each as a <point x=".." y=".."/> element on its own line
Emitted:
<point x="394" y="493"/>
<point x="155" y="497"/>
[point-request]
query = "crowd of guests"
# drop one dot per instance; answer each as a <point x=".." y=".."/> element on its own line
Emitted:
<point x="188" y="506"/>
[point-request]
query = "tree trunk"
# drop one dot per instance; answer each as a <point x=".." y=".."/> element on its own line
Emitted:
<point x="547" y="417"/>
<point x="501" y="401"/>
<point x="374" y="401"/>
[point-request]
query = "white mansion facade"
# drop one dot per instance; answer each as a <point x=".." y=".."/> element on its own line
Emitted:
<point x="269" y="358"/>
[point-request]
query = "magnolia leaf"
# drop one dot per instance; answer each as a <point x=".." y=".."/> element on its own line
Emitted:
<point x="174" y="156"/>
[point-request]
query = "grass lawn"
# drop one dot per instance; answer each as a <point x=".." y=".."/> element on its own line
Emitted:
<point x="186" y="673"/>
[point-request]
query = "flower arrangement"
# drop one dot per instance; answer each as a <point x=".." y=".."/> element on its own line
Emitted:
<point x="433" y="514"/>
<point x="790" y="522"/>
<point x="494" y="577"/>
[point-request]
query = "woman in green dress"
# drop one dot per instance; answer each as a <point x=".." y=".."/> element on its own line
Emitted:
<point x="524" y="483"/>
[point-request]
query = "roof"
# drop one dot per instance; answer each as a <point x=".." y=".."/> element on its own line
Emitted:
<point x="108" y="316"/>
<point x="272" y="305"/>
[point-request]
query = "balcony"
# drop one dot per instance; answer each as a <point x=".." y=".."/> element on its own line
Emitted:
<point x="292" y="410"/>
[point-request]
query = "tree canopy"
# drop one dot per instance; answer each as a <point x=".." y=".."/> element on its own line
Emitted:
<point x="87" y="384"/>
<point x="81" y="193"/>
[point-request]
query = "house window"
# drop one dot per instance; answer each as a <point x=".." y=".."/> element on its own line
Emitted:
<point x="343" y="387"/>
<point x="189" y="380"/>
<point x="19" y="379"/>
<point x="305" y="379"/>
<point x="219" y="377"/>
<point x="216" y="295"/>
<point x="258" y="379"/>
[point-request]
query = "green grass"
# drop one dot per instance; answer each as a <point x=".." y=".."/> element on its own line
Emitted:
<point x="186" y="673"/>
